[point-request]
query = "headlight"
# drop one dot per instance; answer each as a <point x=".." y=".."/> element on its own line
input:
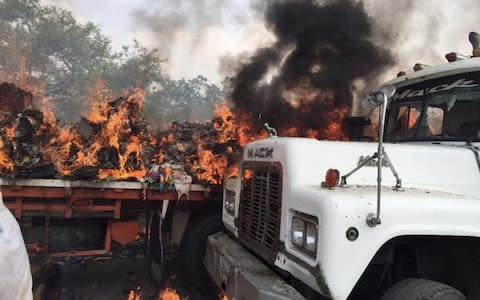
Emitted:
<point x="311" y="240"/>
<point x="305" y="232"/>
<point x="230" y="202"/>
<point x="298" y="229"/>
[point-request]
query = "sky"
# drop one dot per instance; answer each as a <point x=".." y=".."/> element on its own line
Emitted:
<point x="192" y="43"/>
<point x="196" y="36"/>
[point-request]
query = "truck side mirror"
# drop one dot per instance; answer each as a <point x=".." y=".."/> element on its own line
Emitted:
<point x="379" y="97"/>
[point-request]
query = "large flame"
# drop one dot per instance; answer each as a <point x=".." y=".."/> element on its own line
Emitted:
<point x="114" y="121"/>
<point x="115" y="140"/>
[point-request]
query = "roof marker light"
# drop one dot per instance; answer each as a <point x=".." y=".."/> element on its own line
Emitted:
<point x="419" y="67"/>
<point x="454" y="56"/>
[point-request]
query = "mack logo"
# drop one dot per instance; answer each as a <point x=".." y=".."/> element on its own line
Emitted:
<point x="263" y="152"/>
<point x="461" y="83"/>
<point x="372" y="163"/>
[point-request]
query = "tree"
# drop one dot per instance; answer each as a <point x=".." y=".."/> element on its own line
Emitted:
<point x="69" y="57"/>
<point x="134" y="67"/>
<point x="183" y="100"/>
<point x="48" y="45"/>
<point x="17" y="18"/>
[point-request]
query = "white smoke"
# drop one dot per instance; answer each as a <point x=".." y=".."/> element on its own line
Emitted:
<point x="423" y="31"/>
<point x="195" y="35"/>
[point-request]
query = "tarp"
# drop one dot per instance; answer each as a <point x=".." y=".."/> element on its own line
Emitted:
<point x="15" y="275"/>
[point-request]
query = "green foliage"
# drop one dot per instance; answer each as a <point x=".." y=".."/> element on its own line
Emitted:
<point x="183" y="100"/>
<point x="48" y="45"/>
<point x="69" y="57"/>
<point x="134" y="67"/>
<point x="22" y="11"/>
<point x="17" y="18"/>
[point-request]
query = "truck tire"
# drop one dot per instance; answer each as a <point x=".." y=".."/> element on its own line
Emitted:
<point x="421" y="289"/>
<point x="194" y="246"/>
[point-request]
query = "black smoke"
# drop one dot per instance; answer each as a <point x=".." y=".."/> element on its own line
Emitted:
<point x="320" y="50"/>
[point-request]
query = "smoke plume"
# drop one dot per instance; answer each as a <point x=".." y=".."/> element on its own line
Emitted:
<point x="168" y="20"/>
<point x="310" y="71"/>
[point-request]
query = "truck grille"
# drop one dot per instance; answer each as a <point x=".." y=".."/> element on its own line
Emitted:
<point x="260" y="208"/>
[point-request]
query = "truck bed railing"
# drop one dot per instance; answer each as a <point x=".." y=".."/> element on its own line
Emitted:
<point x="91" y="197"/>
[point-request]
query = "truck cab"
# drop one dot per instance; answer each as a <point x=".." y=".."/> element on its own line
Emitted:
<point x="393" y="219"/>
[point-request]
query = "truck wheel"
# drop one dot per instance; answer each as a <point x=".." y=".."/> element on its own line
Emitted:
<point x="421" y="289"/>
<point x="194" y="246"/>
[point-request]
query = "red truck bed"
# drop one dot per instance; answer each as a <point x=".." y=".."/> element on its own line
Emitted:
<point x="110" y="200"/>
<point x="68" y="197"/>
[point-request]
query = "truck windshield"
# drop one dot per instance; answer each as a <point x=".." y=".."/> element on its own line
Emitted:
<point x="442" y="109"/>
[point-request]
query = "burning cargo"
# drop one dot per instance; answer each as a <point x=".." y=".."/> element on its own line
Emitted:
<point x="112" y="142"/>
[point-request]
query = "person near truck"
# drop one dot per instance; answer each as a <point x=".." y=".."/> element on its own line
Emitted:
<point x="15" y="274"/>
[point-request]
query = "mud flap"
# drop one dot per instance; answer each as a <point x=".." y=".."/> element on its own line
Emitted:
<point x="242" y="276"/>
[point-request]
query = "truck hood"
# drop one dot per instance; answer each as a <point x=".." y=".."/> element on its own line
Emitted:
<point x="452" y="169"/>
<point x="449" y="168"/>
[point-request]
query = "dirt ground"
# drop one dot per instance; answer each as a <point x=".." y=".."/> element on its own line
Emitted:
<point x="109" y="277"/>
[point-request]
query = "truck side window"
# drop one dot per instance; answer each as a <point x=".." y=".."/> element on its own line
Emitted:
<point x="465" y="113"/>
<point x="407" y="121"/>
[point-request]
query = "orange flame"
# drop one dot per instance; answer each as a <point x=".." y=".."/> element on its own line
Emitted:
<point x="334" y="129"/>
<point x="248" y="174"/>
<point x="222" y="296"/>
<point x="169" y="294"/>
<point x="5" y="160"/>
<point x="134" y="295"/>
<point x="69" y="150"/>
<point x="114" y="124"/>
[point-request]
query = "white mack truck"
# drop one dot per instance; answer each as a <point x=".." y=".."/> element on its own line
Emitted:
<point x="393" y="219"/>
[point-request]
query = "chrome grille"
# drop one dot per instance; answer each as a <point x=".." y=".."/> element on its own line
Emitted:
<point x="260" y="208"/>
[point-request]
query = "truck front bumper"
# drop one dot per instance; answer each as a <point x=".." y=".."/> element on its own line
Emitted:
<point x="242" y="276"/>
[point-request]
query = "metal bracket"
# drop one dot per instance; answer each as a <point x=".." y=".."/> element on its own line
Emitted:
<point x="373" y="220"/>
<point x="343" y="181"/>
<point x="398" y="185"/>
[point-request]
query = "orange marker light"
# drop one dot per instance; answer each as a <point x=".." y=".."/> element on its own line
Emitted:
<point x="332" y="178"/>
